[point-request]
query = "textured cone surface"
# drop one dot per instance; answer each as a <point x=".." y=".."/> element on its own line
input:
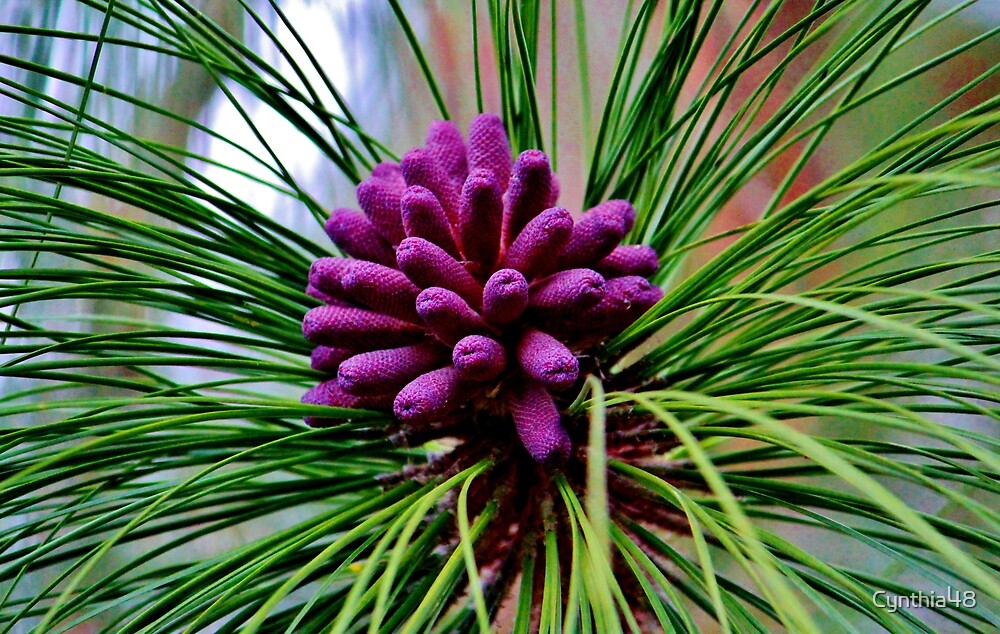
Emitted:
<point x="529" y="193"/>
<point x="547" y="233"/>
<point x="479" y="358"/>
<point x="427" y="265"/>
<point x="546" y="360"/>
<point x="423" y="217"/>
<point x="598" y="233"/>
<point x="630" y="259"/>
<point x="568" y="291"/>
<point x="429" y="397"/>
<point x="480" y="216"/>
<point x="327" y="275"/>
<point x="505" y="296"/>
<point x="421" y="167"/>
<point x="379" y="197"/>
<point x="327" y="359"/>
<point x="447" y="316"/>
<point x="355" y="235"/>
<point x="342" y="327"/>
<point x="538" y="424"/>
<point x="329" y="393"/>
<point x="383" y="289"/>
<point x="315" y="293"/>
<point x="386" y="371"/>
<point x="626" y="299"/>
<point x="445" y="143"/>
<point x="485" y="273"/>
<point x="489" y="148"/>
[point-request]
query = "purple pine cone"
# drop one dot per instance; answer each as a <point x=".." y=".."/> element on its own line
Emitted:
<point x="386" y="371"/>
<point x="505" y="297"/>
<point x="390" y="172"/>
<point x="529" y="192"/>
<point x="349" y="327"/>
<point x="429" y="396"/>
<point x="538" y="424"/>
<point x="312" y="291"/>
<point x="631" y="259"/>
<point x="356" y="236"/>
<point x="546" y="360"/>
<point x="447" y="316"/>
<point x="626" y="299"/>
<point x="423" y="217"/>
<point x="622" y="210"/>
<point x="641" y="293"/>
<point x="427" y="264"/>
<point x="479" y="218"/>
<point x="448" y="217"/>
<point x="326" y="275"/>
<point x="567" y="292"/>
<point x="327" y="359"/>
<point x="379" y="197"/>
<point x="421" y="167"/>
<point x="479" y="358"/>
<point x="597" y="233"/>
<point x="329" y="393"/>
<point x="446" y="144"/>
<point x="382" y="289"/>
<point x="635" y="292"/>
<point x="489" y="148"/>
<point x="546" y="234"/>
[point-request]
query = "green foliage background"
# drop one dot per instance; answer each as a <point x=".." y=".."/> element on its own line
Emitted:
<point x="825" y="357"/>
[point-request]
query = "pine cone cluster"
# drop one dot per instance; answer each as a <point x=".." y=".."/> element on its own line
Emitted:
<point x="468" y="290"/>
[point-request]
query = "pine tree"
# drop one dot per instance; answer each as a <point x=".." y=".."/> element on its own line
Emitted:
<point x="735" y="367"/>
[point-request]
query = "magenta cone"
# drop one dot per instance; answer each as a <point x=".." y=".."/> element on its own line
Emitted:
<point x="631" y="259"/>
<point x="479" y="218"/>
<point x="538" y="424"/>
<point x="529" y="192"/>
<point x="597" y="233"/>
<point x="386" y="371"/>
<point x="567" y="292"/>
<point x="382" y="289"/>
<point x="329" y="393"/>
<point x="423" y="217"/>
<point x="447" y="316"/>
<point x="379" y="196"/>
<point x="505" y="297"/>
<point x="445" y="143"/>
<point x="356" y="236"/>
<point x="546" y="360"/>
<point x="326" y="275"/>
<point x="327" y="359"/>
<point x="479" y="358"/>
<point x="534" y="251"/>
<point x="489" y="148"/>
<point x="422" y="290"/>
<point x="312" y="291"/>
<point x="421" y="167"/>
<point x="348" y="327"/>
<point x="427" y="264"/>
<point x="429" y="397"/>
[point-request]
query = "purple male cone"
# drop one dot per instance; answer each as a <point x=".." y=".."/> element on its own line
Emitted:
<point x="460" y="256"/>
